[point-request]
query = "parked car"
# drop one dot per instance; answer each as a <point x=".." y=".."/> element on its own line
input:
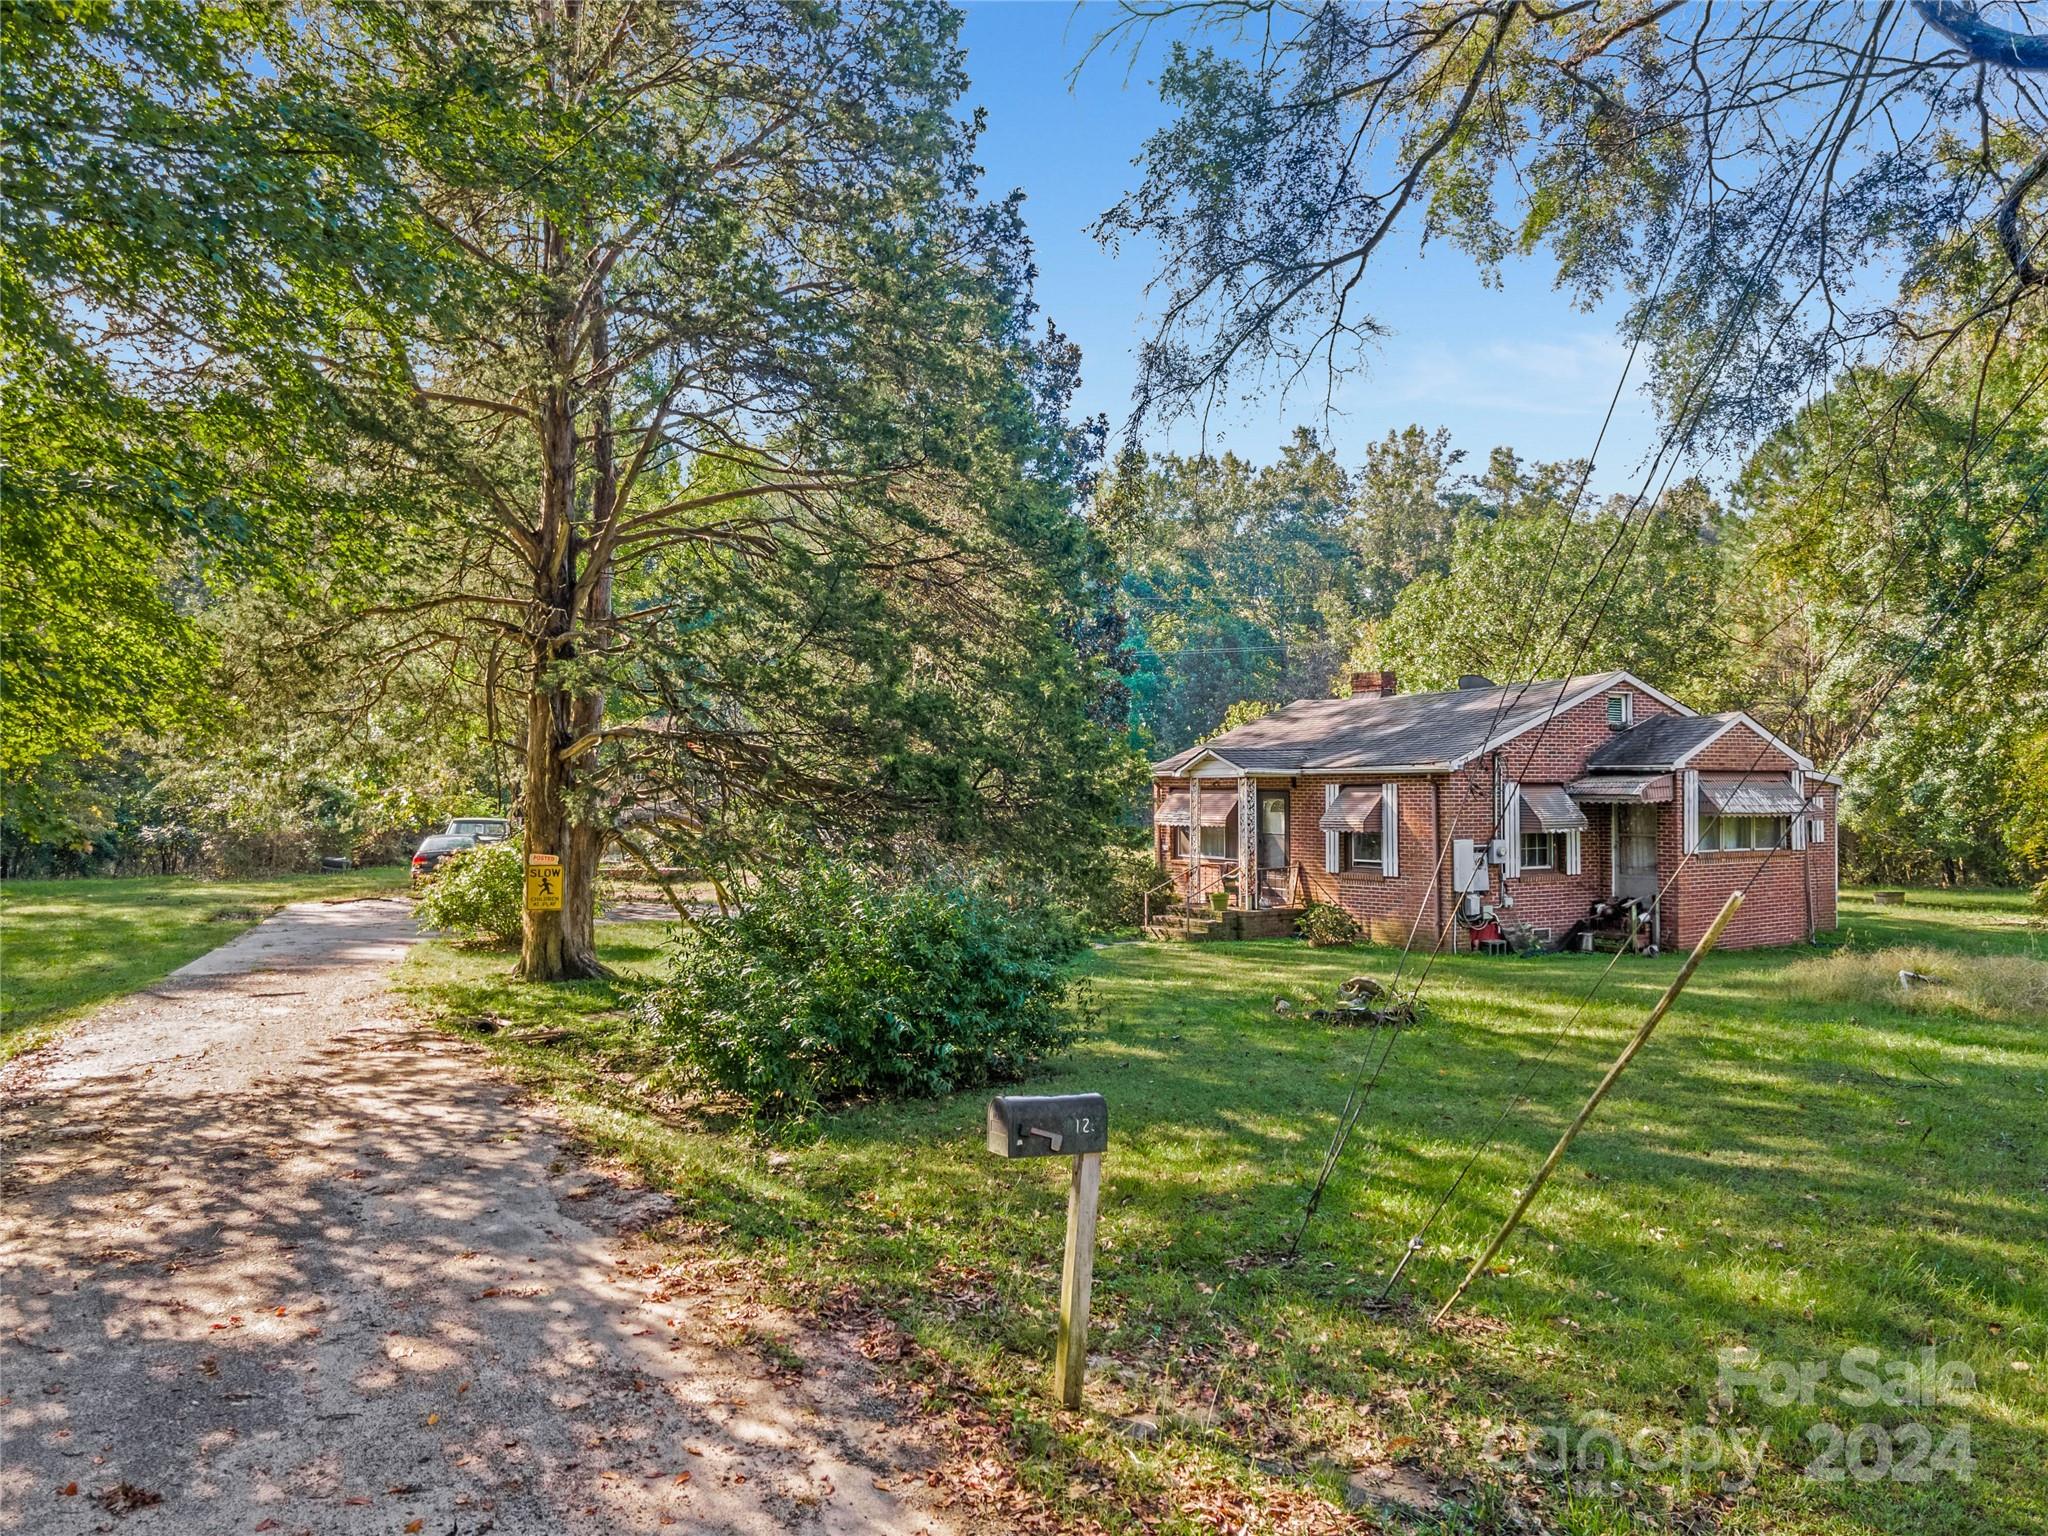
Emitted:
<point x="434" y="849"/>
<point x="479" y="829"/>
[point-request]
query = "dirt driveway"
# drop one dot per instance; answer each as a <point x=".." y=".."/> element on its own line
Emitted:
<point x="278" y="1260"/>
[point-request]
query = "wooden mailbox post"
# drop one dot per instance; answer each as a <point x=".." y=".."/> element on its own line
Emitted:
<point x="1072" y="1125"/>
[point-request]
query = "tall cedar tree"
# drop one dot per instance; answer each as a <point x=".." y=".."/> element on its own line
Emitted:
<point x="737" y="357"/>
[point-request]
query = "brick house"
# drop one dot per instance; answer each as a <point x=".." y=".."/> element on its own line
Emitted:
<point x="1535" y="806"/>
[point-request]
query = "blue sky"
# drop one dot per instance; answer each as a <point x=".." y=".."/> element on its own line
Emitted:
<point x="1516" y="365"/>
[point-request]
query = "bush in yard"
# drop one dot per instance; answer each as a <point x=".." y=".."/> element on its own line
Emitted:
<point x="833" y="982"/>
<point x="1110" y="896"/>
<point x="478" y="893"/>
<point x="1326" y="925"/>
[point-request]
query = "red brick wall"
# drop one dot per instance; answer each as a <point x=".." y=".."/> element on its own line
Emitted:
<point x="1400" y="910"/>
<point x="1556" y="753"/>
<point x="1774" y="911"/>
<point x="1743" y="751"/>
<point x="1775" y="908"/>
<point x="1824" y="861"/>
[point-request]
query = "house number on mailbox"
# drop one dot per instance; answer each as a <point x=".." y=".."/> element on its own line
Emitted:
<point x="1072" y="1125"/>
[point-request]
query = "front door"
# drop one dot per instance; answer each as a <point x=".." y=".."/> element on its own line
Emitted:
<point x="1273" y="858"/>
<point x="1635" y="853"/>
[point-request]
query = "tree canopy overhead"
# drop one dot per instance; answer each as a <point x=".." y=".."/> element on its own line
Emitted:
<point x="192" y="223"/>
<point x="1757" y="179"/>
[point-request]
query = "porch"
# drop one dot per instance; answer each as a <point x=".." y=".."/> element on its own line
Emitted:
<point x="1226" y="851"/>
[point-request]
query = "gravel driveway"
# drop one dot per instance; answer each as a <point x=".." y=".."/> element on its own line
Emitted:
<point x="279" y="1260"/>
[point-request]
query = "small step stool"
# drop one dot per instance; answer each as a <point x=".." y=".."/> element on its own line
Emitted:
<point x="1494" y="947"/>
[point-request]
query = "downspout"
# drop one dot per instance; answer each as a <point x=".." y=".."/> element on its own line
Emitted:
<point x="1684" y="853"/>
<point x="1500" y="818"/>
<point x="1806" y="863"/>
<point x="1436" y="823"/>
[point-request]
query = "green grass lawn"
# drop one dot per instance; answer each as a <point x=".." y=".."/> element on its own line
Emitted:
<point x="1801" y="1163"/>
<point x="66" y="945"/>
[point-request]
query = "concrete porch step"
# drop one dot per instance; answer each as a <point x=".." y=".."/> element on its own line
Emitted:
<point x="1273" y="923"/>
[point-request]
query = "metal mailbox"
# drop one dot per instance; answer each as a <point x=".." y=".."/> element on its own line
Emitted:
<point x="1048" y="1125"/>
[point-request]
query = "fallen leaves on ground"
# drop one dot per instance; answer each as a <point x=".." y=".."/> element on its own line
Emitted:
<point x="126" y="1498"/>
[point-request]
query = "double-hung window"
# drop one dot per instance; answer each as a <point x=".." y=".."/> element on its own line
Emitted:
<point x="1216" y="842"/>
<point x="1362" y="850"/>
<point x="1539" y="850"/>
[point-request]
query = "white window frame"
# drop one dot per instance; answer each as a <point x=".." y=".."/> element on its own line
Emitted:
<point x="1715" y="831"/>
<point x="1354" y="860"/>
<point x="1622" y="718"/>
<point x="1547" y="841"/>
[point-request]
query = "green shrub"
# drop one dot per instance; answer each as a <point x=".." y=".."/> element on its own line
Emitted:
<point x="1110" y="896"/>
<point x="478" y="893"/>
<point x="832" y="983"/>
<point x="1326" y="925"/>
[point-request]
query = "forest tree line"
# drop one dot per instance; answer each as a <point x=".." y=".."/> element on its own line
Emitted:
<point x="1818" y="592"/>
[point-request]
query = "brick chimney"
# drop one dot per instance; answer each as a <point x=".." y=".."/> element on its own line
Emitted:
<point x="1365" y="684"/>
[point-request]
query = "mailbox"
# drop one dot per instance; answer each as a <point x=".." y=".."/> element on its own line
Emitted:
<point x="1048" y="1125"/>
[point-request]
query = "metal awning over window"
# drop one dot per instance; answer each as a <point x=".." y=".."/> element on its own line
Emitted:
<point x="1354" y="810"/>
<point x="1552" y="809"/>
<point x="1753" y="799"/>
<point x="1219" y="808"/>
<point x="1621" y="789"/>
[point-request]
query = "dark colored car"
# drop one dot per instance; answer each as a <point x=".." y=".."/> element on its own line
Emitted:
<point x="436" y="848"/>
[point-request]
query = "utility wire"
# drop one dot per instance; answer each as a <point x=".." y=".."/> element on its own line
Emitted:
<point x="1362" y="1087"/>
<point x="1967" y="589"/>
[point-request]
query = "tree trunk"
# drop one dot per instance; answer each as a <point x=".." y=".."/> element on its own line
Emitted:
<point x="555" y="946"/>
<point x="591" y="593"/>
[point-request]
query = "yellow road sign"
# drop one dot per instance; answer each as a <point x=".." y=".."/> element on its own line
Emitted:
<point x="544" y="886"/>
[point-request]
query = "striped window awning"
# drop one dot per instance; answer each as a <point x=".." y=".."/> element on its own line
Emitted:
<point x="1219" y="806"/>
<point x="1621" y="789"/>
<point x="1354" y="810"/>
<point x="1552" y="808"/>
<point x="1752" y="798"/>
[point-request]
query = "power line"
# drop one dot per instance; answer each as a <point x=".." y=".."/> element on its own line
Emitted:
<point x="1967" y="590"/>
<point x="1363" y="1086"/>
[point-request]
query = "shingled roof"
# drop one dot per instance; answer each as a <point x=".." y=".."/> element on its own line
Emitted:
<point x="1407" y="730"/>
<point x="1661" y="742"/>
